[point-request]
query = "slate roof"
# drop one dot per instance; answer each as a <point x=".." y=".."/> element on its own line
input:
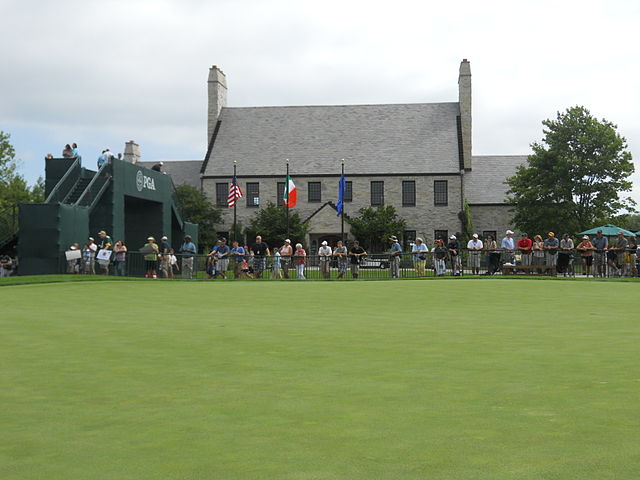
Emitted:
<point x="485" y="182"/>
<point x="373" y="139"/>
<point x="183" y="172"/>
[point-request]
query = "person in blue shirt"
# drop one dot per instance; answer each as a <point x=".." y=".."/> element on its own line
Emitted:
<point x="188" y="250"/>
<point x="508" y="247"/>
<point x="102" y="159"/>
<point x="237" y="255"/>
<point x="394" y="257"/>
<point x="420" y="252"/>
<point x="222" y="256"/>
<point x="74" y="152"/>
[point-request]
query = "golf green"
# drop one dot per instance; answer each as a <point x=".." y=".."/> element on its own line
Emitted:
<point x="454" y="379"/>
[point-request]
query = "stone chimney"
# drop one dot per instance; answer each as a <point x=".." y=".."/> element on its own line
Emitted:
<point x="131" y="152"/>
<point x="217" y="98"/>
<point x="464" y="99"/>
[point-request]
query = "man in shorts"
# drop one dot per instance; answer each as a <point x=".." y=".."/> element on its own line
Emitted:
<point x="356" y="253"/>
<point x="474" y="247"/>
<point x="259" y="253"/>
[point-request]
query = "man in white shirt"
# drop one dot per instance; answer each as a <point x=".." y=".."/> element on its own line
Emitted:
<point x="325" y="254"/>
<point x="508" y="246"/>
<point x="474" y="246"/>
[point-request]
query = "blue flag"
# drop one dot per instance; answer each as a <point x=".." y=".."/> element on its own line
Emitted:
<point x="342" y="184"/>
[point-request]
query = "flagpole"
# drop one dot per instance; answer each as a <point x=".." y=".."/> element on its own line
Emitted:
<point x="233" y="235"/>
<point x="342" y="185"/>
<point x="286" y="195"/>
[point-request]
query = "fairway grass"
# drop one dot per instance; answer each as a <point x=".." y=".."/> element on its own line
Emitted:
<point x="457" y="380"/>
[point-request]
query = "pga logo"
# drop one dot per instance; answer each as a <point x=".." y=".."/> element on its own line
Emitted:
<point x="142" y="182"/>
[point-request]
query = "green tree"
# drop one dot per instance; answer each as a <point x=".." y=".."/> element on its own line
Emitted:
<point x="467" y="223"/>
<point x="574" y="176"/>
<point x="373" y="226"/>
<point x="13" y="187"/>
<point x="271" y="224"/>
<point x="196" y="208"/>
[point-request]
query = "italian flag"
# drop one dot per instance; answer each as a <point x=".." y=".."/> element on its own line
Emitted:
<point x="292" y="197"/>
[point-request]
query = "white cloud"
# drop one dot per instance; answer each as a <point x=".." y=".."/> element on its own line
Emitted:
<point x="105" y="72"/>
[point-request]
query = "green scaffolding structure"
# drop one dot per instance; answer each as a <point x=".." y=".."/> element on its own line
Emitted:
<point x="127" y="201"/>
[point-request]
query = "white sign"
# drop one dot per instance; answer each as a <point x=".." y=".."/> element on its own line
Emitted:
<point x="73" y="254"/>
<point x="142" y="182"/>
<point x="104" y="255"/>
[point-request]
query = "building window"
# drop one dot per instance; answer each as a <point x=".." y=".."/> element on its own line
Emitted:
<point x="222" y="192"/>
<point x="348" y="191"/>
<point x="314" y="191"/>
<point x="440" y="192"/>
<point x="409" y="239"/>
<point x="486" y="233"/>
<point x="409" y="193"/>
<point x="441" y="235"/>
<point x="253" y="194"/>
<point x="377" y="193"/>
<point x="280" y="194"/>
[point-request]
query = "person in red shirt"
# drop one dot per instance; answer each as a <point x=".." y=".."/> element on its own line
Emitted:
<point x="524" y="246"/>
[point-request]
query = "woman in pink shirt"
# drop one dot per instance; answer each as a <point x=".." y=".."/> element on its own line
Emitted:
<point x="300" y="259"/>
<point x="586" y="248"/>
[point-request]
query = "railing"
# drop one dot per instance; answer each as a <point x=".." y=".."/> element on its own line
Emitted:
<point x="375" y="266"/>
<point x="96" y="187"/>
<point x="8" y="224"/>
<point x="65" y="184"/>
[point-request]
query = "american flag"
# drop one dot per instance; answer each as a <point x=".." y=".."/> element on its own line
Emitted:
<point x="234" y="192"/>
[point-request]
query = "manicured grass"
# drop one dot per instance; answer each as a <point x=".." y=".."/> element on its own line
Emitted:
<point x="460" y="379"/>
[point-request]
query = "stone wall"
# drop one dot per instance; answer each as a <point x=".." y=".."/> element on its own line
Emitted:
<point x="492" y="218"/>
<point x="424" y="217"/>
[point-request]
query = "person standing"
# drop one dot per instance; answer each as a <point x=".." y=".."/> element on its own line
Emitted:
<point x="525" y="248"/>
<point x="394" y="257"/>
<point x="439" y="257"/>
<point x="259" y="253"/>
<point x="551" y="245"/>
<point x="300" y="260"/>
<point x="538" y="253"/>
<point x="620" y="247"/>
<point x="474" y="246"/>
<point x="355" y="254"/>
<point x="6" y="266"/>
<point x="188" y="251"/>
<point x="164" y="257"/>
<point x="67" y="151"/>
<point x="508" y="247"/>
<point x="222" y="258"/>
<point x="237" y="255"/>
<point x="120" y="249"/>
<point x="276" y="268"/>
<point x="494" y="255"/>
<point x="324" y="255"/>
<point x="75" y="153"/>
<point x="600" y="245"/>
<point x="340" y="252"/>
<point x="565" y="254"/>
<point x="173" y="263"/>
<point x="585" y="247"/>
<point x="420" y="252"/>
<point x="631" y="259"/>
<point x="286" y="251"/>
<point x="104" y="243"/>
<point x="454" y="255"/>
<point x="151" y="251"/>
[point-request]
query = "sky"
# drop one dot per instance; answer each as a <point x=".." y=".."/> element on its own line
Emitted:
<point x="102" y="73"/>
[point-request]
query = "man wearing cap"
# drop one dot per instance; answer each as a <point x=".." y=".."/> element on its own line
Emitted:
<point x="454" y="254"/>
<point x="551" y="245"/>
<point x="324" y="254"/>
<point x="157" y="167"/>
<point x="222" y="256"/>
<point x="104" y="243"/>
<point x="165" y="258"/>
<point x="474" y="246"/>
<point x="508" y="247"/>
<point x="525" y="245"/>
<point x="151" y="257"/>
<point x="259" y="253"/>
<point x="394" y="257"/>
<point x="600" y="245"/>
<point x="188" y="250"/>
<point x="286" y="251"/>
